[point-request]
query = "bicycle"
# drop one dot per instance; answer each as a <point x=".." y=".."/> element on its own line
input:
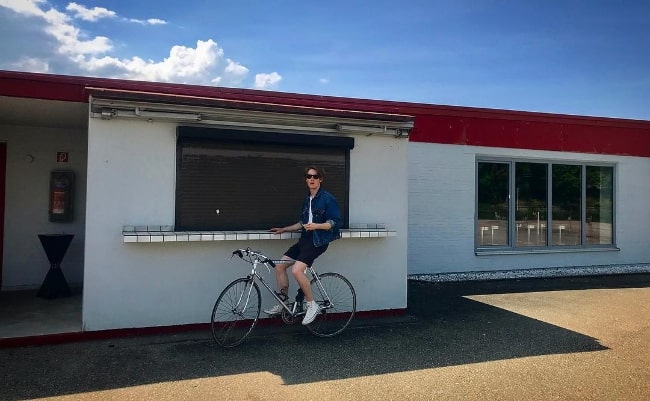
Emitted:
<point x="237" y="308"/>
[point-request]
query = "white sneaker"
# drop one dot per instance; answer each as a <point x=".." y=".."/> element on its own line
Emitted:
<point x="276" y="310"/>
<point x="312" y="311"/>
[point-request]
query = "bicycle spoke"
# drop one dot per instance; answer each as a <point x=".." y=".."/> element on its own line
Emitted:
<point x="337" y="299"/>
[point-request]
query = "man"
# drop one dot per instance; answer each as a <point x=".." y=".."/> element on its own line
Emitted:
<point x="320" y="224"/>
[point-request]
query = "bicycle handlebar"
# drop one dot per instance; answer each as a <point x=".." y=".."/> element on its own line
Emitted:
<point x="257" y="255"/>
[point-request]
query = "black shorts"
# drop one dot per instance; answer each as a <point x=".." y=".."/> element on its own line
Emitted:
<point x="304" y="250"/>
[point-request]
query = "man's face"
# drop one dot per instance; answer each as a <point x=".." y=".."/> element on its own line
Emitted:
<point x="313" y="179"/>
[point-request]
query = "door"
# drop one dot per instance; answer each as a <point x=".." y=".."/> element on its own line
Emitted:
<point x="3" y="170"/>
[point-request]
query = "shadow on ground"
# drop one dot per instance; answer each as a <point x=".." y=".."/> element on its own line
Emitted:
<point x="442" y="329"/>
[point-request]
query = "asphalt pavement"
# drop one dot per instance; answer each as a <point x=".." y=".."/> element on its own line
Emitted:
<point x="584" y="338"/>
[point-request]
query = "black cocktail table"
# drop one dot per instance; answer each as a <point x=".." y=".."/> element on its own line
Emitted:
<point x="55" y="246"/>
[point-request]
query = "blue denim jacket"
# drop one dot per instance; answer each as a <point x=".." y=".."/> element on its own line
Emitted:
<point x="324" y="208"/>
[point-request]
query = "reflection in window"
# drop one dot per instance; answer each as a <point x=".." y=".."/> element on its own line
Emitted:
<point x="553" y="205"/>
<point x="493" y="181"/>
<point x="600" y="205"/>
<point x="566" y="204"/>
<point x="530" y="204"/>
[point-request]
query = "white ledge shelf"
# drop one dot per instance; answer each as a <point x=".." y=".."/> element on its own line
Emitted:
<point x="149" y="234"/>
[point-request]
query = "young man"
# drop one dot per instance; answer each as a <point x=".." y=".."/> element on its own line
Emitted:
<point x="320" y="223"/>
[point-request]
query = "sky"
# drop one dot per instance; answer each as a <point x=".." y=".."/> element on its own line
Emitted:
<point x="581" y="57"/>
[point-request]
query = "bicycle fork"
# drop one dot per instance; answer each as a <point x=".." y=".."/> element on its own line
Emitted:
<point x="244" y="294"/>
<point x="250" y="283"/>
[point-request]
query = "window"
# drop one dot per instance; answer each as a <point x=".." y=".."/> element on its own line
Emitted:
<point x="600" y="205"/>
<point x="493" y="216"/>
<point x="531" y="200"/>
<point x="244" y="180"/>
<point x="567" y="194"/>
<point x="532" y="204"/>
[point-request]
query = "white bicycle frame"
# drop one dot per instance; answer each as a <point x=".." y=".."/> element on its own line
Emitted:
<point x="257" y="258"/>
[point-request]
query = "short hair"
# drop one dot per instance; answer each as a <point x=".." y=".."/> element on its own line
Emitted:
<point x="320" y="171"/>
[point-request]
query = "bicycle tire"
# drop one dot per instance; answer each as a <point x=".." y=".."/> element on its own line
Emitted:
<point x="335" y="317"/>
<point x="231" y="325"/>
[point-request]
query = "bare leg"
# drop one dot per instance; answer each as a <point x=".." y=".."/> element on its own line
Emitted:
<point x="298" y="272"/>
<point x="281" y="276"/>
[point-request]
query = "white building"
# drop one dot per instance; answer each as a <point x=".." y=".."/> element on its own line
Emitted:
<point x="169" y="179"/>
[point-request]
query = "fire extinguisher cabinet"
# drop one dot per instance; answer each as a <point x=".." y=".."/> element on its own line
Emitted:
<point x="61" y="195"/>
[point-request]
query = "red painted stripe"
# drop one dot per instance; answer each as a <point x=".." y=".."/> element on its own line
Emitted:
<point x="62" y="338"/>
<point x="583" y="136"/>
<point x="433" y="123"/>
<point x="72" y="88"/>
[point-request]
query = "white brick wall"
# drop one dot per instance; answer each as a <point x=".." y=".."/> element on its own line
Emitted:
<point x="131" y="181"/>
<point x="442" y="207"/>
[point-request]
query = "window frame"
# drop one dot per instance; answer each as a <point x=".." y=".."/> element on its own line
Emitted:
<point x="511" y="246"/>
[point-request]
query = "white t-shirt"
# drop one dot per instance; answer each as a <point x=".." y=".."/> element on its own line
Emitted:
<point x="311" y="216"/>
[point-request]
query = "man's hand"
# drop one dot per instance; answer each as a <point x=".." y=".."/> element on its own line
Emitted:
<point x="277" y="230"/>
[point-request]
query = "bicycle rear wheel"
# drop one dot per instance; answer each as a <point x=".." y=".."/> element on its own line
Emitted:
<point x="337" y="301"/>
<point x="236" y="312"/>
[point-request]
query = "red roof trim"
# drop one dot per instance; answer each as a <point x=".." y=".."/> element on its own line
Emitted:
<point x="433" y="123"/>
<point x="72" y="88"/>
<point x="580" y="137"/>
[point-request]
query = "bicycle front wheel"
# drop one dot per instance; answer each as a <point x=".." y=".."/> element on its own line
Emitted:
<point x="337" y="301"/>
<point x="236" y="312"/>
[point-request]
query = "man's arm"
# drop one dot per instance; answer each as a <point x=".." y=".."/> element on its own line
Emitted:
<point x="280" y="230"/>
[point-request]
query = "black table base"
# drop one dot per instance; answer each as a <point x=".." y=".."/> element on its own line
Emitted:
<point x="55" y="285"/>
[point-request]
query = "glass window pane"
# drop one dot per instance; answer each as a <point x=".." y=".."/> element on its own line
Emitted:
<point x="566" y="204"/>
<point x="530" y="204"/>
<point x="492" y="213"/>
<point x="600" y="205"/>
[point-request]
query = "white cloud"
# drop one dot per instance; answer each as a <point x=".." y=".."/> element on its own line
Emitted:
<point x="267" y="81"/>
<point x="201" y="65"/>
<point x="29" y="7"/>
<point x="58" y="45"/>
<point x="31" y="64"/>
<point x="88" y="14"/>
<point x="96" y="13"/>
<point x="324" y="81"/>
<point x="69" y="38"/>
<point x="150" y="21"/>
<point x="156" y="21"/>
<point x="235" y="72"/>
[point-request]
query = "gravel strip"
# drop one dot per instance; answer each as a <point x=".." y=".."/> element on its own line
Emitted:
<point x="549" y="272"/>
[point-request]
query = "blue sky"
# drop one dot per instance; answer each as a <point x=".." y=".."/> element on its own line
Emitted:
<point x="571" y="57"/>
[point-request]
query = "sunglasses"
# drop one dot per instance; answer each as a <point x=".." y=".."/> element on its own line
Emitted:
<point x="314" y="176"/>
